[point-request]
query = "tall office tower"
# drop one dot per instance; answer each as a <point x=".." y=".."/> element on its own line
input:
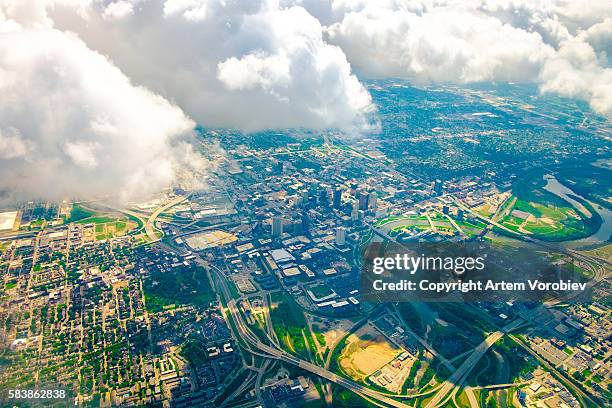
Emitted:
<point x="323" y="197"/>
<point x="304" y="199"/>
<point x="305" y="222"/>
<point x="337" y="198"/>
<point x="362" y="196"/>
<point x="437" y="188"/>
<point x="277" y="226"/>
<point x="373" y="200"/>
<point x="355" y="211"/>
<point x="341" y="236"/>
<point x="313" y="196"/>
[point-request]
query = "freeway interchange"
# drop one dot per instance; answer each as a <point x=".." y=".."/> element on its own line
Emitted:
<point x="254" y="345"/>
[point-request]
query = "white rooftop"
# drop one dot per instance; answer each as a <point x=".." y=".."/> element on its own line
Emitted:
<point x="7" y="220"/>
<point x="281" y="255"/>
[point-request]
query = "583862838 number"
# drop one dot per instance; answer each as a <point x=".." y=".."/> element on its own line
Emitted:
<point x="36" y="394"/>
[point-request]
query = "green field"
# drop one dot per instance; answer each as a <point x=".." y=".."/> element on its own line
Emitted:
<point x="179" y="286"/>
<point x="79" y="213"/>
<point x="289" y="323"/>
<point x="107" y="225"/>
<point x="549" y="217"/>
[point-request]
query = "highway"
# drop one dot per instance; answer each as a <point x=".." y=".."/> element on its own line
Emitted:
<point x="423" y="342"/>
<point x="273" y="352"/>
<point x="256" y="346"/>
<point x="459" y="376"/>
<point x="471" y="397"/>
<point x="150" y="224"/>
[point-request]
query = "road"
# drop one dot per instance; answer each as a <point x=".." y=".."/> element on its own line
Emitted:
<point x="150" y="224"/>
<point x="558" y="248"/>
<point x="272" y="352"/>
<point x="471" y="397"/>
<point x="459" y="376"/>
<point x="422" y="341"/>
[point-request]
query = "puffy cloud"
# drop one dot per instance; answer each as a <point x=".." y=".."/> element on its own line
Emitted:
<point x="575" y="72"/>
<point x="86" y="86"/>
<point x="118" y="9"/>
<point x="249" y="65"/>
<point x="599" y="36"/>
<point x="479" y="40"/>
<point x="12" y="144"/>
<point x="72" y="124"/>
<point x="443" y="45"/>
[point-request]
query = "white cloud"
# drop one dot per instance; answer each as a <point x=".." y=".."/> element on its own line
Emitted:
<point x="479" y="40"/>
<point x="191" y="9"/>
<point x="442" y="46"/>
<point x="12" y="144"/>
<point x="249" y="65"/>
<point x="83" y="154"/>
<point x="575" y="72"/>
<point x="254" y="70"/>
<point x="599" y="36"/>
<point x="72" y="124"/>
<point x="118" y="9"/>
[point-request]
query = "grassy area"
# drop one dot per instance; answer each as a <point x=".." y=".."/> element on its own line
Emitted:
<point x="289" y="323"/>
<point x="194" y="352"/>
<point x="185" y="285"/>
<point x="548" y="216"/>
<point x="107" y="225"/>
<point x="344" y="398"/>
<point x="79" y="213"/>
<point x="604" y="252"/>
<point x="409" y="383"/>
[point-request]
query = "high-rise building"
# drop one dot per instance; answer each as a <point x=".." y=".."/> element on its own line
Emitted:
<point x="337" y="198"/>
<point x="437" y="188"/>
<point x="362" y="196"/>
<point x="355" y="211"/>
<point x="323" y="197"/>
<point x="277" y="226"/>
<point x="305" y="222"/>
<point x="445" y="209"/>
<point x="460" y="214"/>
<point x="341" y="236"/>
<point x="373" y="200"/>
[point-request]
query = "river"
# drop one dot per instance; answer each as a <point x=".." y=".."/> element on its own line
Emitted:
<point x="602" y="235"/>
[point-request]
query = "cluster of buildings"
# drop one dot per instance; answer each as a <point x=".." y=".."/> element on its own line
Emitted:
<point x="79" y="320"/>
